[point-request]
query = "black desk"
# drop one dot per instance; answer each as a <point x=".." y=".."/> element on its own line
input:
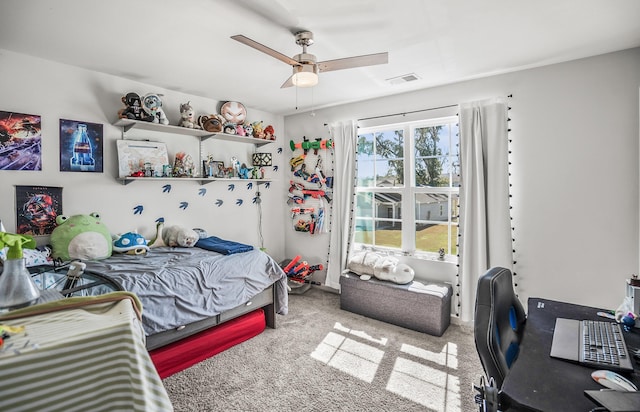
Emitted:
<point x="538" y="382"/>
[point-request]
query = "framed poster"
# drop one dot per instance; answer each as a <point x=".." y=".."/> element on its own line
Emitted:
<point x="20" y="141"/>
<point x="37" y="208"/>
<point x="81" y="146"/>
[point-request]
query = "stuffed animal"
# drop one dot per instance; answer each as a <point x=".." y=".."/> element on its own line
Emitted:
<point x="179" y="236"/>
<point x="258" y="132"/>
<point x="269" y="133"/>
<point x="211" y="123"/>
<point x="158" y="241"/>
<point x="133" y="108"/>
<point x="383" y="267"/>
<point x="152" y="105"/>
<point x="248" y="129"/>
<point x="240" y="131"/>
<point x="130" y="243"/>
<point x="82" y="237"/>
<point x="187" y="116"/>
<point x="229" y="128"/>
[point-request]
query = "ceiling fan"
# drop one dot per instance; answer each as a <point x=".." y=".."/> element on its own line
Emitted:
<point x="305" y="66"/>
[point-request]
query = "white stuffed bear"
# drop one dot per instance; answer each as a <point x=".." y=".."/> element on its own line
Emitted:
<point x="383" y="267"/>
<point x="174" y="236"/>
<point x="179" y="236"/>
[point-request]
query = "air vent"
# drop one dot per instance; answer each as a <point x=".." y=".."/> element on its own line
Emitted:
<point x="403" y="79"/>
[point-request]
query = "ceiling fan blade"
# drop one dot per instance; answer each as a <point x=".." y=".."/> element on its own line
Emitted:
<point x="288" y="83"/>
<point x="356" y="61"/>
<point x="261" y="47"/>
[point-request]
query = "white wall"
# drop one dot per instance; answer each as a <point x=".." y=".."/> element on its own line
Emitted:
<point x="574" y="153"/>
<point x="55" y="91"/>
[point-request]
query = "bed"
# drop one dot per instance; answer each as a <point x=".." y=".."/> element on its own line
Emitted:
<point x="185" y="291"/>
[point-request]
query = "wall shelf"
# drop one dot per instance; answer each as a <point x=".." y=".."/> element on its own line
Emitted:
<point x="202" y="135"/>
<point x="201" y="180"/>
<point x="128" y="124"/>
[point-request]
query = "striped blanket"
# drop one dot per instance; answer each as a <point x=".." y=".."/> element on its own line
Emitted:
<point x="79" y="354"/>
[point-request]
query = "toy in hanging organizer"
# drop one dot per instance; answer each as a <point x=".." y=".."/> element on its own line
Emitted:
<point x="312" y="224"/>
<point x="301" y="188"/>
<point x="296" y="161"/>
<point x="307" y="145"/>
<point x="301" y="211"/>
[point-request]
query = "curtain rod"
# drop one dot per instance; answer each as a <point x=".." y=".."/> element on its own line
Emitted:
<point x="413" y="111"/>
<point x="406" y="113"/>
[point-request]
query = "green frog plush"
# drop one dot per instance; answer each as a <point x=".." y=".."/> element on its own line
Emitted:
<point x="82" y="237"/>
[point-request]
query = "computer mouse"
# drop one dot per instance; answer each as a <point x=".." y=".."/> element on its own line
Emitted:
<point x="613" y="381"/>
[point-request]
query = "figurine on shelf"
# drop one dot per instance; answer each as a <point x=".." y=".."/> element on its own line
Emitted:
<point x="133" y="108"/>
<point x="235" y="166"/>
<point x="152" y="105"/>
<point x="187" y="116"/>
<point x="243" y="172"/>
<point x="183" y="165"/>
<point x="240" y="131"/>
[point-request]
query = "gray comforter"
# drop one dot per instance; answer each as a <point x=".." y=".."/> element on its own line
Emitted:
<point x="178" y="286"/>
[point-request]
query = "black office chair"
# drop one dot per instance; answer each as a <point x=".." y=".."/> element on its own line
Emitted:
<point x="498" y="326"/>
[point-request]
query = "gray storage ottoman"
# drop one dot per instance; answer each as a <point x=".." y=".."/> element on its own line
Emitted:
<point x="425" y="307"/>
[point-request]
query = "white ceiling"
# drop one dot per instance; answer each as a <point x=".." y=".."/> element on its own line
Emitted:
<point x="185" y="45"/>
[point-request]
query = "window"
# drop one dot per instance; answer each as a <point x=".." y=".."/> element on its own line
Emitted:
<point x="407" y="186"/>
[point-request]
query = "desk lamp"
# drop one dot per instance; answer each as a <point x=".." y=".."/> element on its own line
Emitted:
<point x="16" y="286"/>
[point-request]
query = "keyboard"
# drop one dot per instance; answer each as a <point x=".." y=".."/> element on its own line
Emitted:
<point x="602" y="345"/>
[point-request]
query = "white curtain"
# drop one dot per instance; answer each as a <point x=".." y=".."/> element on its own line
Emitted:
<point x="344" y="135"/>
<point x="485" y="225"/>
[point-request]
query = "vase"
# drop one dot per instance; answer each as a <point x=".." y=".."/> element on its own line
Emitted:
<point x="17" y="289"/>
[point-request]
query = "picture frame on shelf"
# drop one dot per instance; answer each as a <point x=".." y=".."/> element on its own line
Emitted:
<point x="137" y="156"/>
<point x="217" y="166"/>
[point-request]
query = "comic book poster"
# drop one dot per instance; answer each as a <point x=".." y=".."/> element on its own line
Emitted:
<point x="37" y="208"/>
<point x="80" y="146"/>
<point x="20" y="141"/>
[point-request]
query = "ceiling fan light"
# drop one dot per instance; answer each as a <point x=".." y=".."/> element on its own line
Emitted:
<point x="305" y="76"/>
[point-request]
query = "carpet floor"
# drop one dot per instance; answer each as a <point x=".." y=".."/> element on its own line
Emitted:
<point x="321" y="358"/>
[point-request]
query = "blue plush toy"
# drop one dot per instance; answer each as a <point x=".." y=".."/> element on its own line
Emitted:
<point x="131" y="243"/>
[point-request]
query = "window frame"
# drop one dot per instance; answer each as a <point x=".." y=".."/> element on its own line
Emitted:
<point x="408" y="190"/>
